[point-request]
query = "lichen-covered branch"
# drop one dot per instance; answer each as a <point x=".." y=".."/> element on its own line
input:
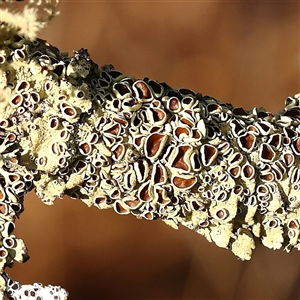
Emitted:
<point x="14" y="290"/>
<point x="69" y="127"/>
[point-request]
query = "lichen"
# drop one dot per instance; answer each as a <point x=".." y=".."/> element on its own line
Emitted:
<point x="138" y="146"/>
<point x="15" y="290"/>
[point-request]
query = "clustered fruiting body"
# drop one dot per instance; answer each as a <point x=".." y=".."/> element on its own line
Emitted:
<point x="16" y="291"/>
<point x="69" y="127"/>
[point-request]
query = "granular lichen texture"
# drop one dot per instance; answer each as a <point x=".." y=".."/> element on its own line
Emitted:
<point x="138" y="146"/>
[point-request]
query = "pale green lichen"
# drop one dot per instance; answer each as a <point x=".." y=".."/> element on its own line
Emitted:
<point x="14" y="290"/>
<point x="69" y="127"/>
<point x="27" y="22"/>
<point x="243" y="244"/>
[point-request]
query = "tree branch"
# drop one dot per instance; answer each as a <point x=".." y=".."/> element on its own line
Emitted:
<point x="69" y="127"/>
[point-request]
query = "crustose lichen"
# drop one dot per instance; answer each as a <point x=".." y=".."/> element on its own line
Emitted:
<point x="69" y="127"/>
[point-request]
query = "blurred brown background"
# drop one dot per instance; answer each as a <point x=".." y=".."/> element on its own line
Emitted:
<point x="246" y="53"/>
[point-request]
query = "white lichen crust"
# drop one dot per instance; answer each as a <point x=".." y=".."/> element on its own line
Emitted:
<point x="69" y="127"/>
<point x="36" y="291"/>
